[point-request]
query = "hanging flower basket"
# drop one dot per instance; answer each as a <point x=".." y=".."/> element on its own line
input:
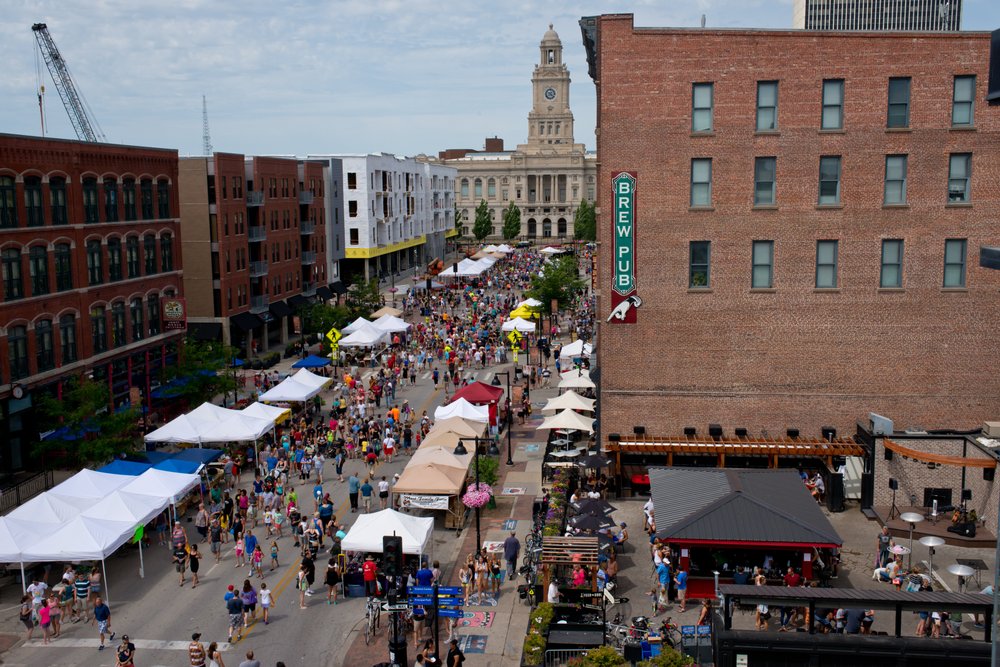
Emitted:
<point x="477" y="495"/>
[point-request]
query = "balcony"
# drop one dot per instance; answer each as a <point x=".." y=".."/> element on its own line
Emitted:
<point x="309" y="257"/>
<point x="257" y="233"/>
<point x="305" y="197"/>
<point x="308" y="289"/>
<point x="255" y="198"/>
<point x="306" y="227"/>
<point x="258" y="269"/>
<point x="259" y="304"/>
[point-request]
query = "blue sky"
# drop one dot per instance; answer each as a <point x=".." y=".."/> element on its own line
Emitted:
<point x="298" y="76"/>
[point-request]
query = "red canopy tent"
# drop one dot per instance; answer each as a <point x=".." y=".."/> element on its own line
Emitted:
<point x="480" y="393"/>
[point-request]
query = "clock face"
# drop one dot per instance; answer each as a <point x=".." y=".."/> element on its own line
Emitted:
<point x="550" y="93"/>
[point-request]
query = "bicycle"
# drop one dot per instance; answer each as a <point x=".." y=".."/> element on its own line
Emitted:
<point x="373" y="618"/>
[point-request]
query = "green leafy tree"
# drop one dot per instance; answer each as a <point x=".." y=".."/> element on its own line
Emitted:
<point x="585" y="222"/>
<point x="604" y="656"/>
<point x="511" y="222"/>
<point x="458" y="220"/>
<point x="560" y="280"/>
<point x="200" y="373"/>
<point x="92" y="432"/>
<point x="362" y="299"/>
<point x="669" y="657"/>
<point x="319" y="318"/>
<point x="483" y="226"/>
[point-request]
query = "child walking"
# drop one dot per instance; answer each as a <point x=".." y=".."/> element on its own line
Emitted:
<point x="265" y="600"/>
<point x="274" y="555"/>
<point x="258" y="559"/>
<point x="238" y="548"/>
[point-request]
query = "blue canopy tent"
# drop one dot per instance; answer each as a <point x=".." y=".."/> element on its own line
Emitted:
<point x="312" y="361"/>
<point x="175" y="387"/>
<point x="199" y="455"/>
<point x="123" y="467"/>
<point x="174" y="464"/>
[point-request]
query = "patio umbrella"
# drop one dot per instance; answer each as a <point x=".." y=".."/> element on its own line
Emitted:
<point x="594" y="506"/>
<point x="594" y="461"/>
<point x="590" y="522"/>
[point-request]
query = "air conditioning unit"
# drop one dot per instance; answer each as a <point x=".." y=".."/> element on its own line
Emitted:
<point x="991" y="429"/>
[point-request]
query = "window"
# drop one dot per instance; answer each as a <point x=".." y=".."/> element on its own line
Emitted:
<point x="95" y="263"/>
<point x="45" y="358"/>
<point x="826" y="264"/>
<point x="118" y="324"/>
<point x="767" y="106"/>
<point x="13" y="287"/>
<point x="899" y="102"/>
<point x="57" y="200"/>
<point x="67" y="338"/>
<point x="762" y="268"/>
<point x="763" y="177"/>
<point x="829" y="180"/>
<point x="352" y="209"/>
<point x="163" y="199"/>
<point x="701" y="182"/>
<point x="354" y="236"/>
<point x="895" y="179"/>
<point x="110" y="200"/>
<point x="64" y="267"/>
<point x="146" y="198"/>
<point x="114" y="260"/>
<point x="959" y="172"/>
<point x="33" y="201"/>
<point x="465" y="188"/>
<point x="8" y="202"/>
<point x="149" y="252"/>
<point x="17" y="352"/>
<point x="954" y="263"/>
<point x="962" y="100"/>
<point x="491" y="189"/>
<point x="833" y="105"/>
<point x="352" y="180"/>
<point x="892" y="263"/>
<point x="701" y="107"/>
<point x="166" y="253"/>
<point x="98" y="329"/>
<point x="478" y="188"/>
<point x="153" y="313"/>
<point x="135" y="314"/>
<point x="132" y="256"/>
<point x="90" y="200"/>
<point x="698" y="264"/>
<point x="128" y="198"/>
<point x="38" y="269"/>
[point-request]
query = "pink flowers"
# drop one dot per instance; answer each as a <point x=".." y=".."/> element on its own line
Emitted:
<point x="477" y="495"/>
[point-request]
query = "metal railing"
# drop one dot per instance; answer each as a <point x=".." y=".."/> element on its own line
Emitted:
<point x="308" y="289"/>
<point x="305" y="197"/>
<point x="259" y="304"/>
<point x="257" y="233"/>
<point x="25" y="490"/>
<point x="560" y="656"/>
<point x="255" y="198"/>
<point x="307" y="227"/>
<point x="309" y="257"/>
<point x="258" y="269"/>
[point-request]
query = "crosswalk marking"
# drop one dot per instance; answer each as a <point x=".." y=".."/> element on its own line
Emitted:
<point x="147" y="644"/>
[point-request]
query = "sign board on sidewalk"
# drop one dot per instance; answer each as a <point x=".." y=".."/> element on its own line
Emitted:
<point x="420" y="590"/>
<point x="450" y="590"/>
<point x="420" y="600"/>
<point x="394" y="607"/>
<point x="451" y="613"/>
<point x="510" y="524"/>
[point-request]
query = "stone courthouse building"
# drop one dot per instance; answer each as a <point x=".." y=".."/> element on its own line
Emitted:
<point x="547" y="177"/>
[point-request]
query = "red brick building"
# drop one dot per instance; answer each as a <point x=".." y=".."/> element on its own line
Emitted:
<point x="254" y="245"/>
<point x="808" y="212"/>
<point x="89" y="248"/>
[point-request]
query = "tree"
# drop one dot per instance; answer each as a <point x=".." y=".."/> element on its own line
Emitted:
<point x="320" y="318"/>
<point x="668" y="657"/>
<point x="483" y="226"/>
<point x="458" y="220"/>
<point x="363" y="299"/>
<point x="201" y="372"/>
<point x="512" y="222"/>
<point x="560" y="280"/>
<point x="585" y="222"/>
<point x="90" y="432"/>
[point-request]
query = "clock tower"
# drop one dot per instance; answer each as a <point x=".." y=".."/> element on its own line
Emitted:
<point x="550" y="121"/>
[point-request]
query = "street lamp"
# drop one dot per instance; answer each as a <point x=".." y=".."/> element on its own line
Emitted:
<point x="460" y="450"/>
<point x="508" y="419"/>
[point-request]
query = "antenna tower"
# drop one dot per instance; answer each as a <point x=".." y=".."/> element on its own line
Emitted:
<point x="206" y="140"/>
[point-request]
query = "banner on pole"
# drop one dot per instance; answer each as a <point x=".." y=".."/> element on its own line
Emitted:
<point x="423" y="501"/>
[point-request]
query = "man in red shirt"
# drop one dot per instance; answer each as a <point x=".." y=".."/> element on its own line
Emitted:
<point x="370" y="571"/>
<point x="793" y="580"/>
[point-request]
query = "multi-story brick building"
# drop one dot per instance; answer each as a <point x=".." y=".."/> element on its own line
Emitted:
<point x="805" y="231"/>
<point x="255" y="245"/>
<point x="881" y="15"/>
<point x="89" y="246"/>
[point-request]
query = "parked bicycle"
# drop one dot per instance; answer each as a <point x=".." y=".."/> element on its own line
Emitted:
<point x="373" y="618"/>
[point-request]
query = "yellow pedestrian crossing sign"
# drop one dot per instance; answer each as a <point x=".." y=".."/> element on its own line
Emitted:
<point x="334" y="335"/>
<point x="514" y="337"/>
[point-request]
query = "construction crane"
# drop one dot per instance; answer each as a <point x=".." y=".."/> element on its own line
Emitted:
<point x="206" y="140"/>
<point x="86" y="127"/>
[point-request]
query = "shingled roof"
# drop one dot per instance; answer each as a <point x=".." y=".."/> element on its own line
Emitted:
<point x="737" y="506"/>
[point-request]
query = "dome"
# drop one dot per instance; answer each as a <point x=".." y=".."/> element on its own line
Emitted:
<point x="550" y="36"/>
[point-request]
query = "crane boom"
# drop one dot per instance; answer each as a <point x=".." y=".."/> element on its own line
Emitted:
<point x="71" y="99"/>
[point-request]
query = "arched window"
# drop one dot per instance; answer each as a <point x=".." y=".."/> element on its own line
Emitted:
<point x="13" y="284"/>
<point x="57" y="200"/>
<point x="110" y="200"/>
<point x="135" y="313"/>
<point x="8" y="203"/>
<point x="98" y="329"/>
<point x="146" y="198"/>
<point x="45" y="358"/>
<point x="166" y="253"/>
<point x="465" y="188"/>
<point x="561" y="227"/>
<point x="163" y="199"/>
<point x="128" y="198"/>
<point x="532" y="228"/>
<point x="132" y="256"/>
<point x="64" y="267"/>
<point x="38" y="269"/>
<point x="153" y="313"/>
<point x="67" y="338"/>
<point x="114" y="259"/>
<point x="17" y="352"/>
<point x="546" y="227"/>
<point x="149" y="250"/>
<point x="95" y="263"/>
<point x="491" y="188"/>
<point x="90" y="200"/>
<point x="478" y="188"/>
<point x="118" y="324"/>
<point x="33" y="201"/>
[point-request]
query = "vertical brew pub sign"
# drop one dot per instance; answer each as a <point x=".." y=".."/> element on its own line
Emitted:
<point x="624" y="300"/>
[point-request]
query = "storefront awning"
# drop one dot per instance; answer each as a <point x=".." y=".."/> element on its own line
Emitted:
<point x="324" y="292"/>
<point x="297" y="301"/>
<point x="246" y="321"/>
<point x="337" y="287"/>
<point x="280" y="309"/>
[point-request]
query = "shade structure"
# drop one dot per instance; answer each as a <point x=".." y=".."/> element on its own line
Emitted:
<point x="594" y="506"/>
<point x="518" y="324"/>
<point x="125" y="506"/>
<point x="489" y="248"/>
<point x="576" y="349"/>
<point x="88" y="484"/>
<point x="298" y="388"/>
<point x="15" y="537"/>
<point x="575" y="380"/>
<point x="355" y="325"/>
<point x="569" y="400"/>
<point x="237" y="428"/>
<point x="310" y="379"/>
<point x="51" y="510"/>
<point x="366" y="533"/>
<point x="366" y="335"/>
<point x="480" y="393"/>
<point x="390" y="324"/>
<point x="530" y="303"/>
<point x="211" y="423"/>
<point x="439" y="456"/>
<point x="169" y="486"/>
<point x="122" y="467"/>
<point x="444" y="439"/>
<point x="504" y="248"/>
<point x="595" y="461"/>
<point x="463" y="427"/>
<point x="524" y="313"/>
<point x="272" y="412"/>
<point x="462" y="408"/>
<point x="312" y="361"/>
<point x="83" y="538"/>
<point x="553" y="251"/>
<point x="430" y="479"/>
<point x="567" y="419"/>
<point x="387" y="310"/>
<point x="591" y="521"/>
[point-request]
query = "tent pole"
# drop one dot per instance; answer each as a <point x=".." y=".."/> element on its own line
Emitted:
<point x="104" y="571"/>
<point x="142" y="569"/>
<point x="24" y="582"/>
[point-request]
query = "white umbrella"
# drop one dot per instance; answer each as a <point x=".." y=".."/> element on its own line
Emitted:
<point x="571" y="401"/>
<point x="567" y="419"/>
<point x="518" y="324"/>
<point x="576" y="380"/>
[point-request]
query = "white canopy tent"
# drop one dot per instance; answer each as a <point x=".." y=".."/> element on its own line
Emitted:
<point x="458" y="425"/>
<point x="504" y="248"/>
<point x="238" y="428"/>
<point x="365" y="336"/>
<point x="553" y="251"/>
<point x="211" y="423"/>
<point x="462" y="408"/>
<point x="366" y="533"/>
<point x="438" y="456"/>
<point x="389" y="310"/>
<point x="311" y="379"/>
<point x="490" y="248"/>
<point x="291" y="391"/>
<point x="272" y="412"/>
<point x="355" y="325"/>
<point x="168" y="486"/>
<point x="567" y="419"/>
<point x="518" y="324"/>
<point x="530" y="303"/>
<point x="390" y="324"/>
<point x="88" y="484"/>
<point x="569" y="401"/>
<point x="576" y="349"/>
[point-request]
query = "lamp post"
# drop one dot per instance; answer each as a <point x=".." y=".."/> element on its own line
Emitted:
<point x="989" y="258"/>
<point x="509" y="421"/>
<point x="460" y="450"/>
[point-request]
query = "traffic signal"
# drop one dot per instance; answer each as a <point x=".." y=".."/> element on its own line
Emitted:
<point x="392" y="555"/>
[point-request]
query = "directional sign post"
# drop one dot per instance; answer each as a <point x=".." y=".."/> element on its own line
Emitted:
<point x="451" y="613"/>
<point x="394" y="607"/>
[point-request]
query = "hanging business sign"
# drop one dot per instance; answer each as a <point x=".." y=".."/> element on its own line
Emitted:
<point x="174" y="314"/>
<point x="624" y="300"/>
<point x="423" y="501"/>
